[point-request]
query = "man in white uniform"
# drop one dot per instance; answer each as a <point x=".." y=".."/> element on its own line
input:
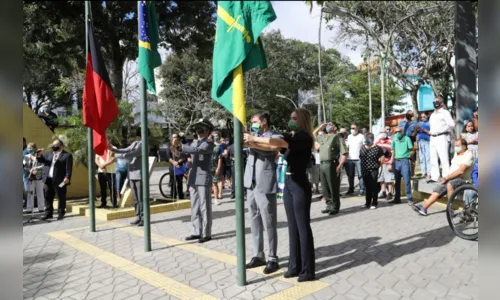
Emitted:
<point x="441" y="124"/>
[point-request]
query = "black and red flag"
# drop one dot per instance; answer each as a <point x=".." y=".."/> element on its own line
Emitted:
<point x="99" y="103"/>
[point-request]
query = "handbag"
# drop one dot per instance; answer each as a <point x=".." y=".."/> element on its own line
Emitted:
<point x="180" y="171"/>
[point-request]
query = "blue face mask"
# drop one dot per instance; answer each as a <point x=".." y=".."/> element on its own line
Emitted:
<point x="424" y="120"/>
<point x="329" y="128"/>
<point x="368" y="142"/>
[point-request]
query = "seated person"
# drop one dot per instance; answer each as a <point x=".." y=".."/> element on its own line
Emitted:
<point x="460" y="171"/>
<point x="470" y="194"/>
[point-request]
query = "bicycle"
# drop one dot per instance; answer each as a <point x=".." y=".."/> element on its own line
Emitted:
<point x="468" y="215"/>
<point x="165" y="184"/>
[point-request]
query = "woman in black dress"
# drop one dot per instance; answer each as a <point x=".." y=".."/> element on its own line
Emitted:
<point x="297" y="193"/>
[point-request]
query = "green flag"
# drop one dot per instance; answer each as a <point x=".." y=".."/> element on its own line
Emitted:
<point x="149" y="58"/>
<point x="239" y="24"/>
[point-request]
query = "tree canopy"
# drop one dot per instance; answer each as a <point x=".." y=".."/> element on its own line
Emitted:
<point x="420" y="43"/>
<point x="54" y="41"/>
<point x="292" y="65"/>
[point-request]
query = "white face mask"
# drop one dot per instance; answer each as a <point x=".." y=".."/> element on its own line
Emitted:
<point x="353" y="131"/>
<point x="383" y="135"/>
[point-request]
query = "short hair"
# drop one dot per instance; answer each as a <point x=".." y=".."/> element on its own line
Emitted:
<point x="369" y="135"/>
<point x="463" y="142"/>
<point x="263" y="115"/>
<point x="439" y="97"/>
<point x="60" y="142"/>
<point x="31" y="145"/>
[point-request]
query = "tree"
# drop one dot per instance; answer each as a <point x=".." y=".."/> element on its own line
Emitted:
<point x="186" y="95"/>
<point x="424" y="43"/>
<point x="56" y="30"/>
<point x="351" y="102"/>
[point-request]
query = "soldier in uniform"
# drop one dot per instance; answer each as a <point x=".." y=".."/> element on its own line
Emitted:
<point x="200" y="181"/>
<point x="333" y="154"/>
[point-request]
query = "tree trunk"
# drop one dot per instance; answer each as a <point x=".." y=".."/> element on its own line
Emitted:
<point x="117" y="76"/>
<point x="29" y="99"/>
<point x="414" y="99"/>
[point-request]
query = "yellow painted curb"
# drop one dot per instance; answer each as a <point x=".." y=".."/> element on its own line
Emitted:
<point x="160" y="281"/>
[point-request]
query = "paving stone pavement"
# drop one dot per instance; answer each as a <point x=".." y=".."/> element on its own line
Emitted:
<point x="387" y="253"/>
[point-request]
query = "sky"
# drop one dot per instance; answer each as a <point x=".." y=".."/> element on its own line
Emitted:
<point x="295" y="21"/>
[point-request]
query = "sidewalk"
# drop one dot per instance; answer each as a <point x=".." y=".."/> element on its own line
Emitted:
<point x="387" y="253"/>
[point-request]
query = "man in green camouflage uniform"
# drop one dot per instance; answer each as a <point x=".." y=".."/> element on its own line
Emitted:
<point x="333" y="153"/>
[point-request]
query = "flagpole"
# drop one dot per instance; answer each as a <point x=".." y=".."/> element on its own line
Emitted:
<point x="145" y="157"/>
<point x="90" y="136"/>
<point x="239" y="92"/>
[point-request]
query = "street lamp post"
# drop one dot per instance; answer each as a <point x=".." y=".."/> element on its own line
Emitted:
<point x="341" y="11"/>
<point x="285" y="97"/>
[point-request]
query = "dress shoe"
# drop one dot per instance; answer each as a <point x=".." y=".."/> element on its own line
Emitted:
<point x="46" y="217"/>
<point x="333" y="212"/>
<point x="291" y="274"/>
<point x="140" y="224"/>
<point x="115" y="206"/>
<point x="60" y="217"/>
<point x="135" y="222"/>
<point x="102" y="206"/>
<point x="256" y="262"/>
<point x="192" y="238"/>
<point x="325" y="211"/>
<point x="305" y="278"/>
<point x="204" y="239"/>
<point x="271" y="267"/>
<point x="394" y="202"/>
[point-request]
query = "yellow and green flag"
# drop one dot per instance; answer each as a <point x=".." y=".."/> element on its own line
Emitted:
<point x="238" y="49"/>
<point x="149" y="58"/>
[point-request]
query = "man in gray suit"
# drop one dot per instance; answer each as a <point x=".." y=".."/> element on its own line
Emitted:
<point x="260" y="182"/>
<point x="200" y="182"/>
<point x="133" y="153"/>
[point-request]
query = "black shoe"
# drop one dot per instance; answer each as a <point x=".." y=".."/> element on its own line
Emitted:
<point x="204" y="239"/>
<point x="305" y="278"/>
<point x="431" y="181"/>
<point x="135" y="222"/>
<point x="115" y="206"/>
<point x="192" y="238"/>
<point x="27" y="212"/>
<point x="394" y="202"/>
<point x="140" y="224"/>
<point x="255" y="262"/>
<point x="325" y="211"/>
<point x="291" y="274"/>
<point x="361" y="194"/>
<point x="60" y="217"/>
<point x="333" y="212"/>
<point x="102" y="206"/>
<point x="271" y="267"/>
<point x="46" y="217"/>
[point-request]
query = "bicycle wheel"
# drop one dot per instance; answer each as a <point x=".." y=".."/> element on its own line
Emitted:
<point x="464" y="219"/>
<point x="164" y="185"/>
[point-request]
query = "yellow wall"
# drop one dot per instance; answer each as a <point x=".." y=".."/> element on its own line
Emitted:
<point x="34" y="130"/>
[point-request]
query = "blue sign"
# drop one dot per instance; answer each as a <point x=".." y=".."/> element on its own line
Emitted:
<point x="425" y="98"/>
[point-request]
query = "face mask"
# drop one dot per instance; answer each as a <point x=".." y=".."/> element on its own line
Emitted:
<point x="424" y="119"/>
<point x="399" y="135"/>
<point x="255" y="128"/>
<point x="368" y="142"/>
<point x="408" y="117"/>
<point x="31" y="151"/>
<point x="216" y="138"/>
<point x="383" y="135"/>
<point x="363" y="132"/>
<point x="55" y="148"/>
<point x="436" y="105"/>
<point x="458" y="149"/>
<point x="329" y="128"/>
<point x="353" y="131"/>
<point x="388" y="132"/>
<point x="292" y="125"/>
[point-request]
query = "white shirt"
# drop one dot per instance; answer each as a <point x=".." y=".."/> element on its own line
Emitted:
<point x="316" y="157"/>
<point x="465" y="158"/>
<point x="354" y="143"/>
<point x="54" y="159"/>
<point x="441" y="121"/>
